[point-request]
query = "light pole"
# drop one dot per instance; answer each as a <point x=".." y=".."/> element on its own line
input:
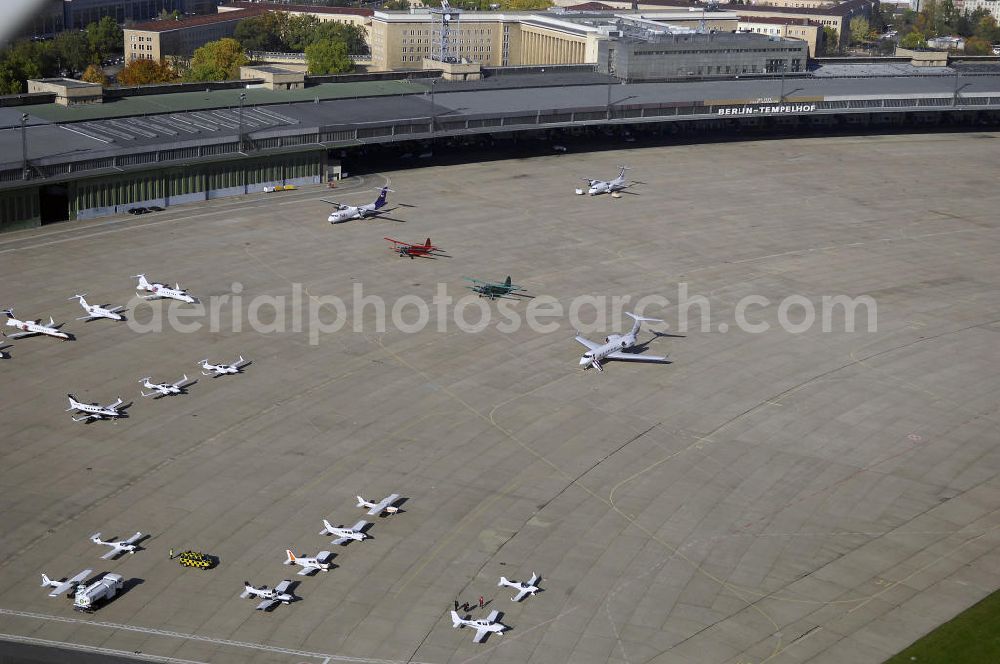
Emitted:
<point x="243" y="97"/>
<point x="433" y="106"/>
<point x="781" y="99"/>
<point x="25" y="173"/>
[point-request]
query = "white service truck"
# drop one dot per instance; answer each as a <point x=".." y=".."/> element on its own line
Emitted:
<point x="88" y="597"/>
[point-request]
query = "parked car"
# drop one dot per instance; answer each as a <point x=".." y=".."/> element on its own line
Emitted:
<point x="138" y="210"/>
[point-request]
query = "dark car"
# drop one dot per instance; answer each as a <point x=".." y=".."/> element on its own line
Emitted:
<point x="138" y="210"/>
<point x="155" y="208"/>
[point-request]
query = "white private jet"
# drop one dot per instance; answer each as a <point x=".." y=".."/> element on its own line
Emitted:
<point x="483" y="627"/>
<point x="271" y="596"/>
<point x="348" y="212"/>
<point x="66" y="585"/>
<point x="95" y="311"/>
<point x="162" y="291"/>
<point x="29" y="328"/>
<point x="384" y="505"/>
<point x="310" y="565"/>
<point x="355" y="533"/>
<point x="162" y="389"/>
<point x="117" y="548"/>
<point x="615" y="347"/>
<point x="522" y="589"/>
<point x="595" y="187"/>
<point x="94" y="411"/>
<point x="216" y="370"/>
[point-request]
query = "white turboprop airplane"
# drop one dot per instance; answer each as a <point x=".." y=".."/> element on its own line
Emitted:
<point x="94" y="411"/>
<point x="66" y="585"/>
<point x="117" y="548"/>
<point x="595" y="187"/>
<point x="482" y="627"/>
<point x="384" y="505"/>
<point x="29" y="328"/>
<point x="318" y="563"/>
<point x="521" y="588"/>
<point x="162" y="389"/>
<point x="162" y="290"/>
<point x="348" y="212"/>
<point x="355" y="533"/>
<point x="95" y="311"/>
<point x="271" y="596"/>
<point x="216" y="370"/>
<point x="615" y="347"/>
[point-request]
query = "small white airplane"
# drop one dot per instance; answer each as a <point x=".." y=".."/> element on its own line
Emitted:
<point x="355" y="533"/>
<point x="317" y="563"/>
<point x="94" y="411"/>
<point x="384" y="505"/>
<point x="162" y="389"/>
<point x="595" y="187"/>
<point x="117" y="548"/>
<point x="483" y="627"/>
<point x="95" y="311"/>
<point x="522" y="588"/>
<point x="66" y="585"/>
<point x="348" y="212"/>
<point x="271" y="596"/>
<point x="29" y="328"/>
<point x="615" y="347"/>
<point x="161" y="290"/>
<point x="216" y="370"/>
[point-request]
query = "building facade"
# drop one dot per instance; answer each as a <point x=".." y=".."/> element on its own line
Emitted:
<point x="992" y="6"/>
<point x="159" y="40"/>
<point x="789" y="28"/>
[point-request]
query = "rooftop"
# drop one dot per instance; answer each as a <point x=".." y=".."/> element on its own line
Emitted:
<point x="777" y="20"/>
<point x="312" y="9"/>
<point x="67" y="82"/>
<point x="192" y="21"/>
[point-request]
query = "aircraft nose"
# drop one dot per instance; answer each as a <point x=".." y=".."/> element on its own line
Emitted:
<point x="585" y="361"/>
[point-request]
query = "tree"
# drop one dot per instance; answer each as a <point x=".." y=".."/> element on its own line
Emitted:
<point x="914" y="39"/>
<point x="71" y="50"/>
<point x="831" y="41"/>
<point x="262" y="33"/>
<point x="352" y="35"/>
<point x="986" y="28"/>
<point x="217" y="61"/>
<point x="143" y="72"/>
<point x="105" y="38"/>
<point x="328" y="57"/>
<point x="977" y="46"/>
<point x="859" y="29"/>
<point x="95" y="74"/>
<point x="524" y="5"/>
<point x="396" y="5"/>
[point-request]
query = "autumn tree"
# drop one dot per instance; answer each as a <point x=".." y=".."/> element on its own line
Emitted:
<point x="144" y="72"/>
<point x="859" y="29"/>
<point x="914" y="39"/>
<point x="217" y="61"/>
<point x="95" y="74"/>
<point x="978" y="46"/>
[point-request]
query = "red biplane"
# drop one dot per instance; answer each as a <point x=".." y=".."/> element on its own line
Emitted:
<point x="426" y="249"/>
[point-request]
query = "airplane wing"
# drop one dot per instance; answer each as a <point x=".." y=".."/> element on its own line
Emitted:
<point x="307" y="571"/>
<point x="588" y="343"/>
<point x="533" y="580"/>
<point x="519" y="596"/>
<point x="493" y="616"/>
<point x="19" y="335"/>
<point x="382" y="504"/>
<point x="133" y="539"/>
<point x="480" y="635"/>
<point x="69" y="583"/>
<point x="266" y="604"/>
<point x="283" y="586"/>
<point x="87" y="317"/>
<point x="117" y="309"/>
<point x="111" y="554"/>
<point x="339" y="206"/>
<point x="399" y="242"/>
<point x="246" y="593"/>
<point x="636" y="357"/>
<point x="475" y="281"/>
<point x="341" y="540"/>
<point x="359" y="526"/>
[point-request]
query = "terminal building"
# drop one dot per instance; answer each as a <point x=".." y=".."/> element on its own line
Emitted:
<point x="53" y="16"/>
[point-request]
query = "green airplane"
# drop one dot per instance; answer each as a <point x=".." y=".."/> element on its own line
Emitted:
<point x="492" y="289"/>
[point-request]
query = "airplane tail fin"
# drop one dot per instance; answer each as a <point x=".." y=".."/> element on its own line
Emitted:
<point x="327" y="528"/>
<point x="503" y="581"/>
<point x="96" y="538"/>
<point x="427" y="243"/>
<point x="291" y="557"/>
<point x="639" y="319"/>
<point x="142" y="280"/>
<point x="46" y="581"/>
<point x="382" y="194"/>
<point x="507" y="283"/>
<point x="456" y="621"/>
<point x="71" y="400"/>
<point x="9" y="312"/>
<point x="361" y="501"/>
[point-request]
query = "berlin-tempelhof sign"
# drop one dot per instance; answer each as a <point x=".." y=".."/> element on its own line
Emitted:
<point x="764" y="106"/>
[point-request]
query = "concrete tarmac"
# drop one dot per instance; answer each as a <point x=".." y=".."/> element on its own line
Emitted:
<point x="781" y="495"/>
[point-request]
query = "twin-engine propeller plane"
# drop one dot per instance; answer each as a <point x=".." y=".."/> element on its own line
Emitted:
<point x="162" y="290"/>
<point x="94" y="411"/>
<point x="425" y="250"/>
<point x="484" y="628"/>
<point x="162" y="389"/>
<point x="95" y="311"/>
<point x="348" y="212"/>
<point x="596" y="187"/>
<point x="270" y="597"/>
<point x="30" y="328"/>
<point x="493" y="289"/>
<point x="616" y="347"/>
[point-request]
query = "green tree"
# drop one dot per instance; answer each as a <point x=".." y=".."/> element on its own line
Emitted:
<point x="300" y="32"/>
<point x="217" y="61"/>
<point x="71" y="50"/>
<point x="352" y="35"/>
<point x="914" y="39"/>
<point x="859" y="30"/>
<point x="95" y="74"/>
<point x="263" y="33"/>
<point x="831" y="41"/>
<point x="396" y="6"/>
<point x="327" y="57"/>
<point x="23" y="60"/>
<point x="144" y="72"/>
<point x="105" y="38"/>
<point x="977" y="46"/>
<point x="986" y="28"/>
